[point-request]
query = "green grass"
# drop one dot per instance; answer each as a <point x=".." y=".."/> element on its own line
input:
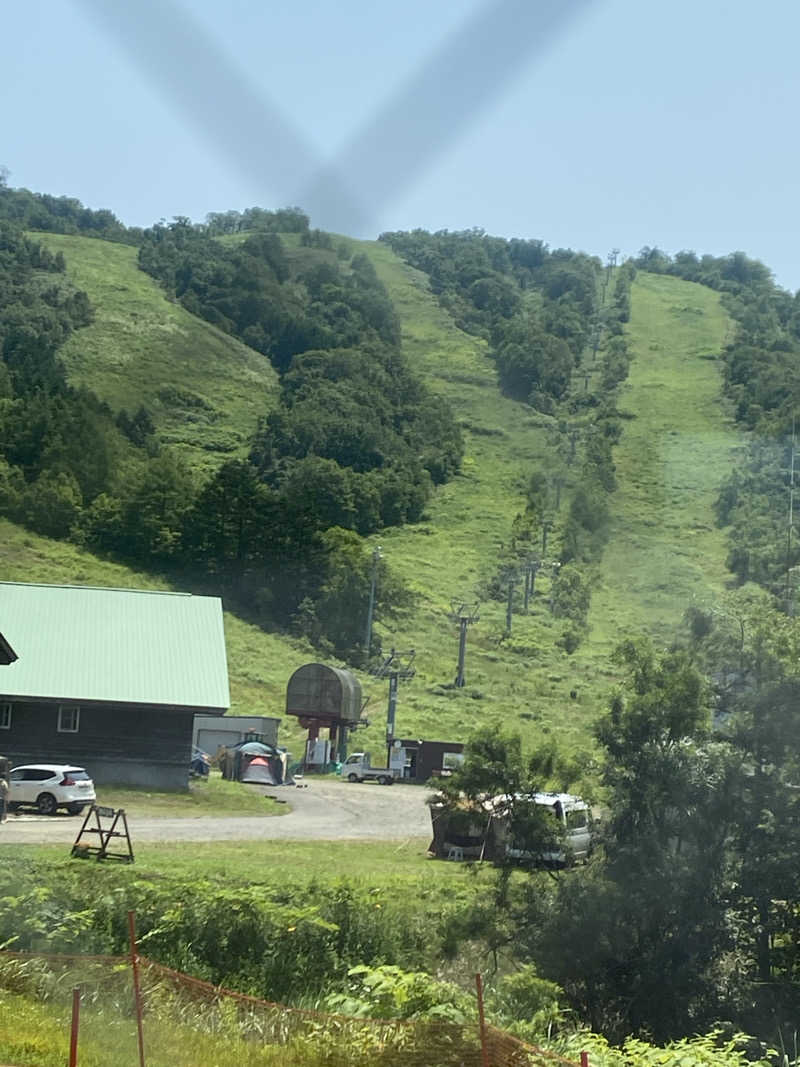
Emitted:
<point x="205" y="389"/>
<point x="37" y="1034"/>
<point x="390" y="865"/>
<point x="214" y="797"/>
<point x="664" y="553"/>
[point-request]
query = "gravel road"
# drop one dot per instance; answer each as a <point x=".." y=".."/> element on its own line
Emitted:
<point x="324" y="811"/>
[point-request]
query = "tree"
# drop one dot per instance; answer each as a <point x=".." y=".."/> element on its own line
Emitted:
<point x="226" y="528"/>
<point x="652" y="916"/>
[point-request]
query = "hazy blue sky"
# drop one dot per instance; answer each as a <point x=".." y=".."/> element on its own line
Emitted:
<point x="629" y="123"/>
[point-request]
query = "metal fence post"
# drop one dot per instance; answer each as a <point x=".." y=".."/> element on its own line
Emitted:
<point x="482" y="1022"/>
<point x="584" y="1059"/>
<point x="73" y="1036"/>
<point x="137" y="993"/>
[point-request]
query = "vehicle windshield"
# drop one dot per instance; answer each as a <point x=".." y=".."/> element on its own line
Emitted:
<point x="577" y="820"/>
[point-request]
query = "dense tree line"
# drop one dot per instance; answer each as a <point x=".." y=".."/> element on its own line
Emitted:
<point x="686" y="915"/>
<point x="249" y="291"/>
<point x="284" y="220"/>
<point x="347" y="396"/>
<point x="58" y="445"/>
<point x="535" y="306"/>
<point x="61" y="214"/>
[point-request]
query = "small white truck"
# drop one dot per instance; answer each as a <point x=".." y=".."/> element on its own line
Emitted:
<point x="358" y="768"/>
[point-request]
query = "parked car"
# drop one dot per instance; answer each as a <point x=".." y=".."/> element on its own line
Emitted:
<point x="50" y="786"/>
<point x="200" y="765"/>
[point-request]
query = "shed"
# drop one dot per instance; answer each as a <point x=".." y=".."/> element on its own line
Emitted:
<point x="110" y="679"/>
<point x="211" y="733"/>
<point x="419" y="761"/>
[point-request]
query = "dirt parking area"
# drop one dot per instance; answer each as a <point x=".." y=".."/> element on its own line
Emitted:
<point x="323" y="810"/>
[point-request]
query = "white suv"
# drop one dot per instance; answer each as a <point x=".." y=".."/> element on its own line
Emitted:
<point x="49" y="786"/>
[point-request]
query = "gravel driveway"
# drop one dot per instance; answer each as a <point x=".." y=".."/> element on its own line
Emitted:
<point x="324" y="811"/>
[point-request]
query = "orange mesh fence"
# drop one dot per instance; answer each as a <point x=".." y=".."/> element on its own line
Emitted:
<point x="188" y="1021"/>
<point x="505" y="1050"/>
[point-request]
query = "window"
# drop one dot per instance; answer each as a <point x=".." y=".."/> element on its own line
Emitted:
<point x="68" y="718"/>
<point x="576" y="820"/>
<point x="77" y="774"/>
<point x="452" y="760"/>
<point x="5" y="716"/>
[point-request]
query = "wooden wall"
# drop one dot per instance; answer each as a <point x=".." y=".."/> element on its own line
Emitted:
<point x="125" y="745"/>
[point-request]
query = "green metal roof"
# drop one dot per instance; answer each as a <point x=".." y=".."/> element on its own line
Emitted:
<point x="7" y="653"/>
<point x="130" y="646"/>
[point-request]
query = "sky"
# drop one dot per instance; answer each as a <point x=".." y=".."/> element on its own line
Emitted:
<point x="591" y="124"/>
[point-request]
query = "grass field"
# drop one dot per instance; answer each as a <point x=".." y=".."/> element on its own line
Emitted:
<point x="394" y="865"/>
<point x="213" y="796"/>
<point x="204" y="389"/>
<point x="664" y="552"/>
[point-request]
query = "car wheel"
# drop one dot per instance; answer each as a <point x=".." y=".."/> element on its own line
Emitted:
<point x="352" y="777"/>
<point x="383" y="780"/>
<point x="46" y="804"/>
<point x="74" y="809"/>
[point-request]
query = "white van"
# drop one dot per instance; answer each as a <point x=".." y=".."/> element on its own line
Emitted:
<point x="575" y="816"/>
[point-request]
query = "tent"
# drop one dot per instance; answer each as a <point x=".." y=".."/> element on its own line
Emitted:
<point x="252" y="761"/>
<point x="263" y="771"/>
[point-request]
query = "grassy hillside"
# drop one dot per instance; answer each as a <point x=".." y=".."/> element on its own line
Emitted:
<point x="204" y="389"/>
<point x="664" y="551"/>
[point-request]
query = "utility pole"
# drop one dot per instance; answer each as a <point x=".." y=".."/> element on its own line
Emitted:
<point x="574" y="434"/>
<point x="397" y="667"/>
<point x="531" y="567"/>
<point x="547" y="525"/>
<point x="464" y="616"/>
<point x="596" y="335"/>
<point x="512" y="581"/>
<point x="377" y="555"/>
<point x="558" y="482"/>
<point x="612" y="260"/>
<point x="556" y="568"/>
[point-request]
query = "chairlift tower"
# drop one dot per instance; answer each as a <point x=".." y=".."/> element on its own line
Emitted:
<point x="464" y="616"/>
<point x="397" y="667"/>
<point x="532" y="565"/>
